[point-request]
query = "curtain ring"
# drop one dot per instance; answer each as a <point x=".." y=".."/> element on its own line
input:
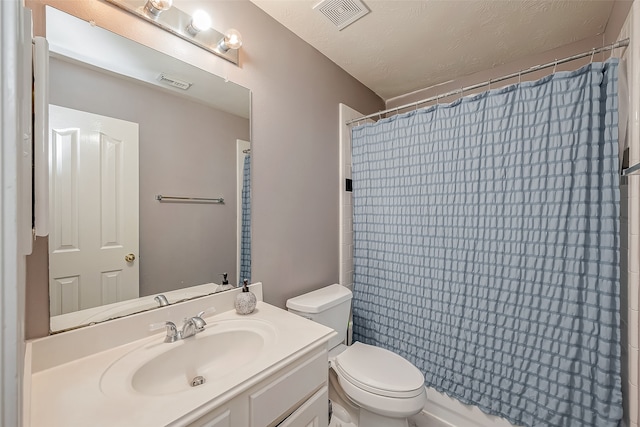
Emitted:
<point x="380" y="115"/>
<point x="593" y="52"/>
<point x="555" y="66"/>
<point x="490" y="84"/>
<point x="461" y="92"/>
<point x="519" y="76"/>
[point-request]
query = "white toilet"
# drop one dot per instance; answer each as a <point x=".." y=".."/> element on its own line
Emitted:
<point x="385" y="387"/>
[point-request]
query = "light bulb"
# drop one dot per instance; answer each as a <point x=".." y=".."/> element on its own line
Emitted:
<point x="232" y="40"/>
<point x="156" y="7"/>
<point x="200" y="21"/>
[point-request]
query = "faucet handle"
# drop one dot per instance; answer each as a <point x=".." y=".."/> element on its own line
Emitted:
<point x="157" y="325"/>
<point x="172" y="330"/>
<point x="198" y="320"/>
<point x="206" y="312"/>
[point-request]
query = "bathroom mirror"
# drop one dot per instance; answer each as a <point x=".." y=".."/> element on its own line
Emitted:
<point x="166" y="221"/>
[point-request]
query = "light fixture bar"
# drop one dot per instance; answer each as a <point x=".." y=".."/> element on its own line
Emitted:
<point x="176" y="22"/>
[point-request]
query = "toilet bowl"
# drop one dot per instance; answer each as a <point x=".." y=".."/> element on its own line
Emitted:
<point x="385" y="388"/>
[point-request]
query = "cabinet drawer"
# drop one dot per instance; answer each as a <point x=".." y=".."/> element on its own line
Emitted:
<point x="271" y="402"/>
<point x="313" y="413"/>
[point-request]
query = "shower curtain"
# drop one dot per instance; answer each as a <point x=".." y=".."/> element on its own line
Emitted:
<point x="486" y="247"/>
<point x="245" y="231"/>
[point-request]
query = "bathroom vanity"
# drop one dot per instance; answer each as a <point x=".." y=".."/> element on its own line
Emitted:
<point x="264" y="369"/>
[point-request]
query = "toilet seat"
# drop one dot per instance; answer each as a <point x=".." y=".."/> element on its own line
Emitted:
<point x="379" y="371"/>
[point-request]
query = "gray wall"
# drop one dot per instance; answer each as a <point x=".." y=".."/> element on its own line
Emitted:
<point x="295" y="97"/>
<point x="186" y="149"/>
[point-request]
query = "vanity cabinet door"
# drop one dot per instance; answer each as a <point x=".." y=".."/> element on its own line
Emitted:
<point x="313" y="413"/>
<point x="273" y="402"/>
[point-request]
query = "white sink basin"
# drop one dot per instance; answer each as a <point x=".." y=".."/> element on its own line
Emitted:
<point x="158" y="368"/>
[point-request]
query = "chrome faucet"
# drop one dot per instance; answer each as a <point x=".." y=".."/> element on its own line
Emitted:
<point x="161" y="300"/>
<point x="191" y="327"/>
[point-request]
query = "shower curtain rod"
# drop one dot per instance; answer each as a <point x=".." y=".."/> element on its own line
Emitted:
<point x="621" y="43"/>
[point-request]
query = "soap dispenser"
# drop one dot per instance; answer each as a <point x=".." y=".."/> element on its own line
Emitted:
<point x="225" y="282"/>
<point x="245" y="301"/>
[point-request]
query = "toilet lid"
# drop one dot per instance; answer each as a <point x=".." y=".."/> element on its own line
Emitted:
<point x="379" y="371"/>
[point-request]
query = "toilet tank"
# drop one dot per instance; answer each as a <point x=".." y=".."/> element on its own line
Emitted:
<point x="329" y="306"/>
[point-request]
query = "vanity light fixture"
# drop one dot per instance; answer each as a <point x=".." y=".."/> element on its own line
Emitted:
<point x="195" y="28"/>
<point x="232" y="40"/>
<point x="156" y="7"/>
<point x="200" y="21"/>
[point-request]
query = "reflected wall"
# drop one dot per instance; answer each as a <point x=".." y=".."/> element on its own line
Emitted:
<point x="186" y="148"/>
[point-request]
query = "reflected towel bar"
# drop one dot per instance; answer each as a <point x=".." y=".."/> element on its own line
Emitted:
<point x="161" y="198"/>
<point x="632" y="170"/>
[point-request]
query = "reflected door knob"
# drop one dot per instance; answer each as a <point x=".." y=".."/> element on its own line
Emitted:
<point x="129" y="257"/>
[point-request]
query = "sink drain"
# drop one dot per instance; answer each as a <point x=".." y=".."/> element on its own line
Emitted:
<point x="197" y="381"/>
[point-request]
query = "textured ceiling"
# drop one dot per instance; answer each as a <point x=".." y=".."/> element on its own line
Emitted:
<point x="404" y="46"/>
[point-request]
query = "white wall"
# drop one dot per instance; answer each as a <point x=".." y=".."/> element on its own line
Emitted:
<point x="630" y="227"/>
<point x="345" y="197"/>
<point x="13" y="74"/>
<point x="345" y="212"/>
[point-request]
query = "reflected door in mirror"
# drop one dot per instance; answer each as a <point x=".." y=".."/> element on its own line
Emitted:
<point x="94" y="210"/>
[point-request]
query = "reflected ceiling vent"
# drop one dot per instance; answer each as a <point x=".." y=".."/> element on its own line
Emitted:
<point x="171" y="81"/>
<point x="342" y="13"/>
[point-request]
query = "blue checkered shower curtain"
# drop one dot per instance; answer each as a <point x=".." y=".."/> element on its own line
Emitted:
<point x="486" y="247"/>
<point x="245" y="231"/>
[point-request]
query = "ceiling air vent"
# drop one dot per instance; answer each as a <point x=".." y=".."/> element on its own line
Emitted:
<point x="171" y="81"/>
<point x="342" y="13"/>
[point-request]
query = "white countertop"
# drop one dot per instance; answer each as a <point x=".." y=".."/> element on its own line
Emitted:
<point x="69" y="394"/>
